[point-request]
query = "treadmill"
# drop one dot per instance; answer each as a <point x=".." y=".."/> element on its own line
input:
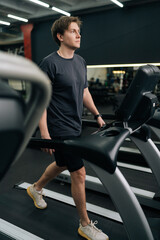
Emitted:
<point x="99" y="149"/>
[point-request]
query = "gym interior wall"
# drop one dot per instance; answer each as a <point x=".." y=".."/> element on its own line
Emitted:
<point x="127" y="35"/>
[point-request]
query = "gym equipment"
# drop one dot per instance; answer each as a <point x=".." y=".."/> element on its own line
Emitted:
<point x="146" y="197"/>
<point x="19" y="117"/>
<point x="101" y="149"/>
<point x="11" y="125"/>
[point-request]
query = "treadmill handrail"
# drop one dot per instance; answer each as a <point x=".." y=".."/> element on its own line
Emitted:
<point x="100" y="148"/>
<point x="19" y="68"/>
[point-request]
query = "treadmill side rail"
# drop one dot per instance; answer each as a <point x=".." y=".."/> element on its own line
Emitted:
<point x="150" y="152"/>
<point x="126" y="202"/>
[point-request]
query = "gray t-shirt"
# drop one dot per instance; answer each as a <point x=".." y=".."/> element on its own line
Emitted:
<point x="68" y="78"/>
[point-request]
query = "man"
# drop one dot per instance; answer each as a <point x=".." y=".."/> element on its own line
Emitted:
<point x="62" y="119"/>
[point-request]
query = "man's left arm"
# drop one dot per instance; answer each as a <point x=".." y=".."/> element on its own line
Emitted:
<point x="89" y="104"/>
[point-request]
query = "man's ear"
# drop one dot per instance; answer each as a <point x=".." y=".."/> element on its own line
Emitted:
<point x="60" y="37"/>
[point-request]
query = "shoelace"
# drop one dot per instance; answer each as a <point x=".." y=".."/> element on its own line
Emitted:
<point x="41" y="193"/>
<point x="93" y="226"/>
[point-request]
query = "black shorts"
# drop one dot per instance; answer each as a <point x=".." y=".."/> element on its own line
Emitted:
<point x="72" y="162"/>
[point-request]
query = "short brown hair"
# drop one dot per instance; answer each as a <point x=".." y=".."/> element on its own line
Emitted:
<point x="62" y="24"/>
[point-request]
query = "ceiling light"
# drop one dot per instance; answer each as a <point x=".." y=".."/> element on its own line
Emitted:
<point x="40" y="3"/>
<point x="17" y="18"/>
<point x="118" y="3"/>
<point x="118" y="72"/>
<point x="61" y="11"/>
<point x="4" y="23"/>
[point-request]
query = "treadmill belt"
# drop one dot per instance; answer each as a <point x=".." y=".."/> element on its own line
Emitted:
<point x="58" y="221"/>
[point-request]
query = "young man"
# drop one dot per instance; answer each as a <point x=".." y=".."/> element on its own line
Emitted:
<point x="62" y="119"/>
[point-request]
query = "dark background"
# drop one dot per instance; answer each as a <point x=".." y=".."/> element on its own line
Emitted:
<point x="128" y="35"/>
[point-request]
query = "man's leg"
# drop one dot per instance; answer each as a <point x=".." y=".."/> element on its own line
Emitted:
<point x="87" y="228"/>
<point x="78" y="194"/>
<point x="51" y="172"/>
<point x="35" y="190"/>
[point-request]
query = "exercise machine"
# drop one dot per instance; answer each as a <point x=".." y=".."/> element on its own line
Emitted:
<point x="19" y="117"/>
<point x="101" y="149"/>
<point x="15" y="120"/>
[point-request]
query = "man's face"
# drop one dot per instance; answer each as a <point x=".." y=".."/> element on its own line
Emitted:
<point x="71" y="37"/>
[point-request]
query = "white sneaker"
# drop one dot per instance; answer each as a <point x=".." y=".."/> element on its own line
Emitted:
<point x="91" y="232"/>
<point x="37" y="197"/>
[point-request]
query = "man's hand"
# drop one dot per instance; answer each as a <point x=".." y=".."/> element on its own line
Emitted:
<point x="100" y="122"/>
<point x="44" y="131"/>
<point x="47" y="150"/>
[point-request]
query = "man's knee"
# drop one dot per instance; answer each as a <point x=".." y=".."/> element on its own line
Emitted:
<point x="54" y="168"/>
<point x="79" y="175"/>
<point x="59" y="168"/>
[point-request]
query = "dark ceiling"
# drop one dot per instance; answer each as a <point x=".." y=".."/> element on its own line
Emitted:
<point x="34" y="12"/>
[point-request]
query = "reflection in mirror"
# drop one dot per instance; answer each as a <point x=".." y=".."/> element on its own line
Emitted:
<point x="108" y="86"/>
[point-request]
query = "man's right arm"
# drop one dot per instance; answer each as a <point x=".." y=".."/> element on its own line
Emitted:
<point x="44" y="131"/>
